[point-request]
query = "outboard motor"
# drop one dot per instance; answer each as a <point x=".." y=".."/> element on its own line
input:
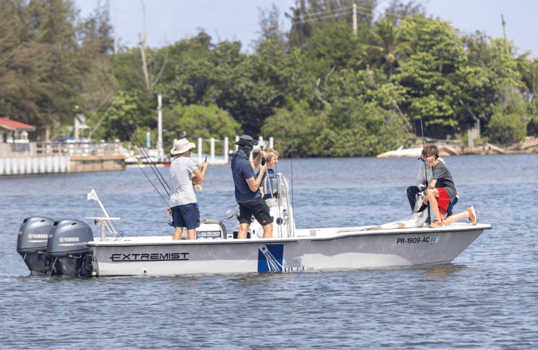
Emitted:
<point x="34" y="234"/>
<point x="67" y="246"/>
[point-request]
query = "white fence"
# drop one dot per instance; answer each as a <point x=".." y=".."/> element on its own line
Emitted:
<point x="36" y="149"/>
<point x="213" y="159"/>
<point x="34" y="165"/>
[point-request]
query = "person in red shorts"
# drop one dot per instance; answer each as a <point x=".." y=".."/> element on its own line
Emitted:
<point x="441" y="190"/>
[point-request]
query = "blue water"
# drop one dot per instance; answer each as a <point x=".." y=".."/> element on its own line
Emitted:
<point x="486" y="299"/>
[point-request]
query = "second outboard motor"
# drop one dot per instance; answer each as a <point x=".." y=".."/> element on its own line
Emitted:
<point x="32" y="240"/>
<point x="68" y="248"/>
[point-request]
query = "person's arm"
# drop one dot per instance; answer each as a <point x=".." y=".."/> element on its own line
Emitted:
<point x="262" y="184"/>
<point x="254" y="183"/>
<point x="430" y="186"/>
<point x="257" y="161"/>
<point x="200" y="175"/>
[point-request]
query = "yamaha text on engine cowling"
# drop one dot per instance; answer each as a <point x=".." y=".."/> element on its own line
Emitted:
<point x="32" y="241"/>
<point x="67" y="246"/>
<point x="55" y="247"/>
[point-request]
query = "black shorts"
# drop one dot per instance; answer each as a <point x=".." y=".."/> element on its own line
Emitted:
<point x="256" y="207"/>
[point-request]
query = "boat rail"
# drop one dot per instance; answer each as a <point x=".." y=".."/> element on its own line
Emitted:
<point x="105" y="223"/>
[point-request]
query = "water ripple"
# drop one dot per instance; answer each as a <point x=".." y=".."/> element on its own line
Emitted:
<point x="485" y="299"/>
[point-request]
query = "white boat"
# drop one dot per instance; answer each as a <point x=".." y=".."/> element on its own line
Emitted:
<point x="216" y="251"/>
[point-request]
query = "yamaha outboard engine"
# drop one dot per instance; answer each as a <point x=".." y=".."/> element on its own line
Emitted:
<point x="34" y="234"/>
<point x="68" y="248"/>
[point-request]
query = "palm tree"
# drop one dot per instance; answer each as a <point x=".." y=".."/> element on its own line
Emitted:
<point x="388" y="48"/>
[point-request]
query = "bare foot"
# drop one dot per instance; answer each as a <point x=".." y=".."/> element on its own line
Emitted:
<point x="473" y="215"/>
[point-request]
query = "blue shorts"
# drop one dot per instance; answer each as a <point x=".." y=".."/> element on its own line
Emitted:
<point x="186" y="215"/>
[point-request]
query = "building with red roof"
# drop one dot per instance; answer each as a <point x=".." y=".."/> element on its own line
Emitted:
<point x="12" y="131"/>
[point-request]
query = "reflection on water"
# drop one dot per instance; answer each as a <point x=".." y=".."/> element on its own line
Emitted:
<point x="486" y="299"/>
<point x="444" y="272"/>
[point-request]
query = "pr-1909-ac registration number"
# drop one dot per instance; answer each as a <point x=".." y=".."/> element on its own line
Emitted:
<point x="415" y="240"/>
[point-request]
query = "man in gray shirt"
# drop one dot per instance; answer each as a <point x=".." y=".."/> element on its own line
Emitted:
<point x="183" y="205"/>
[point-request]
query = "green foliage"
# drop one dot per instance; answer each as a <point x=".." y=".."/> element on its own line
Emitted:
<point x="430" y="74"/>
<point x="387" y="48"/>
<point x="297" y="130"/>
<point x="490" y="78"/>
<point x="270" y="26"/>
<point x="506" y="128"/>
<point x="39" y="66"/>
<point x="325" y="91"/>
<point x="334" y="45"/>
<point x="348" y="128"/>
<point x="125" y="67"/>
<point x="140" y="135"/>
<point x="249" y="87"/>
<point x="126" y="108"/>
<point x="195" y="121"/>
<point x="369" y="130"/>
<point x="50" y="65"/>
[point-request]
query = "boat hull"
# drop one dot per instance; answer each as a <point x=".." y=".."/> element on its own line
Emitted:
<point x="312" y="250"/>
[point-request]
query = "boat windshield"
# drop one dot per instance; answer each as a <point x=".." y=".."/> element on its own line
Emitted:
<point x="271" y="186"/>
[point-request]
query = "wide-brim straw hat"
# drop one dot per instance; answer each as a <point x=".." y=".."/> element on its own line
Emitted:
<point x="181" y="146"/>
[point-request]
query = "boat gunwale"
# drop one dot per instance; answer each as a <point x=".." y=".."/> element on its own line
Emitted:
<point x="385" y="232"/>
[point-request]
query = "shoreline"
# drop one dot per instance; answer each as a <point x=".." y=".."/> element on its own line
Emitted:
<point x="529" y="146"/>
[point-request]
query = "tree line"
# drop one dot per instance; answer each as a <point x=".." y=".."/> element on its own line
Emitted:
<point x="320" y="88"/>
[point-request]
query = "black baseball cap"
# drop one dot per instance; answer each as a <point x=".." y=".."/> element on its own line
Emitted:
<point x="246" y="140"/>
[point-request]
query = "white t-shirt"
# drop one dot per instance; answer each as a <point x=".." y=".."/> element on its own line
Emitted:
<point x="181" y="171"/>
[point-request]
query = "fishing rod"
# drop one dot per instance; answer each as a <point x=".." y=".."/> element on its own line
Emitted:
<point x="146" y="156"/>
<point x="425" y="169"/>
<point x="153" y="184"/>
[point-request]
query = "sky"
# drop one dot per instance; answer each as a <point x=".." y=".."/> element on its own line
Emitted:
<point x="169" y="21"/>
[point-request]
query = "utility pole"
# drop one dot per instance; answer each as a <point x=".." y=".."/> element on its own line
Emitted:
<point x="355" y="19"/>
<point x="115" y="31"/>
<point x="504" y="31"/>
<point x="160" y="126"/>
<point x="143" y="49"/>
